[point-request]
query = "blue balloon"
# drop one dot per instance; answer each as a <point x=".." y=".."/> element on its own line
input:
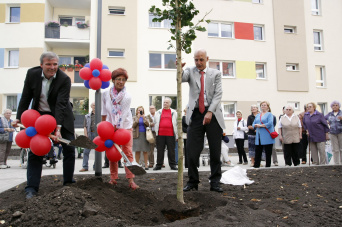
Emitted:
<point x="105" y="67"/>
<point x="109" y="143"/>
<point x="87" y="65"/>
<point x="31" y="131"/>
<point x="86" y="84"/>
<point x="105" y="84"/>
<point x="96" y="73"/>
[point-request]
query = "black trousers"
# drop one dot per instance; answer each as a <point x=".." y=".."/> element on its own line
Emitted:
<point x="303" y="146"/>
<point x="195" y="143"/>
<point x="258" y="153"/>
<point x="291" y="153"/>
<point x="185" y="154"/>
<point x="170" y="142"/>
<point x="241" y="151"/>
<point x="34" y="164"/>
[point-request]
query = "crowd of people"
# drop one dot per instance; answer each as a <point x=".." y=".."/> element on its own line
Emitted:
<point x="49" y="90"/>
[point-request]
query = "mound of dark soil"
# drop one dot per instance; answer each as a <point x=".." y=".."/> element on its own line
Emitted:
<point x="279" y="197"/>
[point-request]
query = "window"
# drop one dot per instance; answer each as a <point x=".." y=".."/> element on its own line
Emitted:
<point x="318" y="40"/>
<point x="260" y="69"/>
<point x="257" y="1"/>
<point x="227" y="68"/>
<point x="116" y="53"/>
<point x="66" y="21"/>
<point x="292" y="67"/>
<point x="290" y="29"/>
<point x="12" y="103"/>
<point x="322" y="107"/>
<point x="320" y="76"/>
<point x="295" y="105"/>
<point x="224" y="30"/>
<point x="229" y="109"/>
<point x="157" y="101"/>
<point x="162" y="61"/>
<point x="13" y="58"/>
<point x="163" y="24"/>
<point x="116" y="10"/>
<point x="14" y="14"/>
<point x="315" y="7"/>
<point x="258" y="32"/>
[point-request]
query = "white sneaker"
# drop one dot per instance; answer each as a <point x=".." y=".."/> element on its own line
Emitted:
<point x="3" y="166"/>
<point x="230" y="164"/>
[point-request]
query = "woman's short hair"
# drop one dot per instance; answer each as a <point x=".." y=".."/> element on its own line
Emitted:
<point x="313" y="104"/>
<point x="136" y="111"/>
<point x="119" y="72"/>
<point x="335" y="102"/>
<point x="268" y="105"/>
<point x="7" y="110"/>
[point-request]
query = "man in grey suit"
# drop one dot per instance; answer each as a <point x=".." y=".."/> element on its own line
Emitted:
<point x="204" y="115"/>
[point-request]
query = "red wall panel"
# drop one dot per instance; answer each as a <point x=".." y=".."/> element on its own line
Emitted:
<point x="243" y="31"/>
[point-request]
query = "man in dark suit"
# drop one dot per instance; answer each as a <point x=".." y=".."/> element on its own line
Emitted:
<point x="49" y="90"/>
<point x="204" y="115"/>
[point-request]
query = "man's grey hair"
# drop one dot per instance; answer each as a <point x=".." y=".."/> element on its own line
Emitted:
<point x="168" y="98"/>
<point x="7" y="110"/>
<point x="49" y="55"/>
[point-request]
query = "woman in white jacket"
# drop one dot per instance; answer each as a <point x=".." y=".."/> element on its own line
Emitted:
<point x="240" y="126"/>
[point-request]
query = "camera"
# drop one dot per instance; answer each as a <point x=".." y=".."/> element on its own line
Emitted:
<point x="141" y="113"/>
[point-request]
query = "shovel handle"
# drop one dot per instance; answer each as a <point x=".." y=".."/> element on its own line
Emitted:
<point x="122" y="154"/>
<point x="50" y="135"/>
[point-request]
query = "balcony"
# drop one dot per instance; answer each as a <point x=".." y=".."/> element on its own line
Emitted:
<point x="69" y="32"/>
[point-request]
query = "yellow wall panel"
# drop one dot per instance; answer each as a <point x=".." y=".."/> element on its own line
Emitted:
<point x="2" y="13"/>
<point x="29" y="57"/>
<point x="245" y="70"/>
<point x="32" y="12"/>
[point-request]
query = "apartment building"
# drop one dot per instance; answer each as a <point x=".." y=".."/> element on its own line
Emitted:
<point x="286" y="52"/>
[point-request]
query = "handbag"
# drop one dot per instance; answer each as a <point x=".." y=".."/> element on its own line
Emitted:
<point x="149" y="135"/>
<point x="272" y="134"/>
<point x="4" y="137"/>
<point x="245" y="136"/>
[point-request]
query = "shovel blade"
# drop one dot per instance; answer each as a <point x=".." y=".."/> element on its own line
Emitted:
<point x="136" y="170"/>
<point x="84" y="142"/>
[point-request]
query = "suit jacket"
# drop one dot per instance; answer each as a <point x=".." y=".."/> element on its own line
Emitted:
<point x="213" y="90"/>
<point x="58" y="96"/>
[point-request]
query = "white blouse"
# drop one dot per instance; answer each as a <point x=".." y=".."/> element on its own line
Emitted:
<point x="106" y="109"/>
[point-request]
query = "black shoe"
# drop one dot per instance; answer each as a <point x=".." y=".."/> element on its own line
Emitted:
<point x="146" y="168"/>
<point x="53" y="161"/>
<point x="73" y="181"/>
<point x="156" y="168"/>
<point x="216" y="188"/>
<point x="189" y="187"/>
<point x="30" y="195"/>
<point x="59" y="157"/>
<point x="174" y="168"/>
<point x="105" y="166"/>
<point x="239" y="163"/>
<point x="120" y="165"/>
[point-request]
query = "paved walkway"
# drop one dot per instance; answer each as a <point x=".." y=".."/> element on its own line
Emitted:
<point x="16" y="175"/>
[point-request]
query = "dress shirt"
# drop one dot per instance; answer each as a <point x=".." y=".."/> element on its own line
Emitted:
<point x="43" y="102"/>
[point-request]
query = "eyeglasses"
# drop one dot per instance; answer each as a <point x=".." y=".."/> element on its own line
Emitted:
<point x="120" y="79"/>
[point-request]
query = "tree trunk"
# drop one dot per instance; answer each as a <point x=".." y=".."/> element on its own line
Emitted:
<point x="179" y="110"/>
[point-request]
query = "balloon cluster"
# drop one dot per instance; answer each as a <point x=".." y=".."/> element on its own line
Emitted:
<point x="96" y="75"/>
<point x="107" y="137"/>
<point x="35" y="136"/>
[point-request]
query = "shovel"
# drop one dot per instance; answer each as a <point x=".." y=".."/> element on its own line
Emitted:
<point x="80" y="141"/>
<point x="135" y="169"/>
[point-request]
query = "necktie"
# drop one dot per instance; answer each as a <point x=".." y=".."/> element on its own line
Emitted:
<point x="201" y="96"/>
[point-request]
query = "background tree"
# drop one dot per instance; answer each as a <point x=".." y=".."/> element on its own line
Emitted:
<point x="181" y="13"/>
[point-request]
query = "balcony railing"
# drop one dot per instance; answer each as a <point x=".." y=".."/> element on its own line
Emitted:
<point x="69" y="32"/>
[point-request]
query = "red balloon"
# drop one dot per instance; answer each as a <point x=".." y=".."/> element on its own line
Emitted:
<point x="96" y="63"/>
<point x="40" y="145"/>
<point x="45" y="124"/>
<point x="105" y="75"/>
<point x="105" y="130"/>
<point x="95" y="83"/>
<point x="29" y="117"/>
<point x="23" y="140"/>
<point x="113" y="154"/>
<point x="100" y="144"/>
<point x="122" y="136"/>
<point x="85" y="73"/>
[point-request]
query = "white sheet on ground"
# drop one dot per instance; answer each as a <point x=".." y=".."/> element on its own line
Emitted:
<point x="236" y="176"/>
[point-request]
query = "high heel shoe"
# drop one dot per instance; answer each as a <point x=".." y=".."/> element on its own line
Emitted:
<point x="133" y="185"/>
<point x="113" y="182"/>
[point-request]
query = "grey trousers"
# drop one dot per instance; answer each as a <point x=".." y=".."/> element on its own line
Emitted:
<point x="5" y="149"/>
<point x="336" y="142"/>
<point x="318" y="149"/>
